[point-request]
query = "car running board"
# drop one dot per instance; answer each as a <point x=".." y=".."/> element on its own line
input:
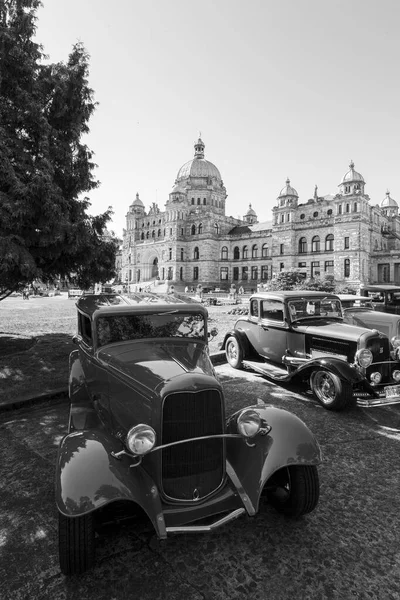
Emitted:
<point x="207" y="528"/>
<point x="268" y="370"/>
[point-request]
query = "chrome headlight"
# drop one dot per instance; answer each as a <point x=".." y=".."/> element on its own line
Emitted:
<point x="141" y="439"/>
<point x="395" y="341"/>
<point x="376" y="377"/>
<point x="396" y="375"/>
<point x="364" y="357"/>
<point x="248" y="423"/>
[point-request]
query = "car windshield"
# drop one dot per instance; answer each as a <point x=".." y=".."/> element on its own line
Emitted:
<point x="121" y="328"/>
<point x="304" y="308"/>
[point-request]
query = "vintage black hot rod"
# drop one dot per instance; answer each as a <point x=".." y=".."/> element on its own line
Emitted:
<point x="148" y="430"/>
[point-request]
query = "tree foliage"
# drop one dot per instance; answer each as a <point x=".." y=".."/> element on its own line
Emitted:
<point x="284" y="280"/>
<point x="45" y="167"/>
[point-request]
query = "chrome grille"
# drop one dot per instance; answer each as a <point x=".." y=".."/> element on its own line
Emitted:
<point x="192" y="471"/>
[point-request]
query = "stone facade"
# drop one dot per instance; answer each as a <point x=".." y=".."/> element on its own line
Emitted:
<point x="192" y="240"/>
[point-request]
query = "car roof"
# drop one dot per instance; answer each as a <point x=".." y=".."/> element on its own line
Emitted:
<point x="146" y="302"/>
<point x="283" y="295"/>
<point x="384" y="287"/>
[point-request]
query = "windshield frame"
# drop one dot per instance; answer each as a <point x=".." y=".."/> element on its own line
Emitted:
<point x="172" y="324"/>
<point x="307" y="309"/>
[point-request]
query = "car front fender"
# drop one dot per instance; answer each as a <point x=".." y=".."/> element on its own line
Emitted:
<point x="88" y="477"/>
<point x="289" y="442"/>
<point x="338" y="366"/>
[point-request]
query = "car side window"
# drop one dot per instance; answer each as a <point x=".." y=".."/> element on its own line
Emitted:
<point x="272" y="310"/>
<point x="254" y="308"/>
<point x="85" y="328"/>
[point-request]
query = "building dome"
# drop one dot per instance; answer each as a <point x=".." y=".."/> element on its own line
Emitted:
<point x="388" y="202"/>
<point x="352" y="175"/>
<point x="288" y="190"/>
<point x="251" y="212"/>
<point x="178" y="189"/>
<point x="198" y="166"/>
<point x="137" y="201"/>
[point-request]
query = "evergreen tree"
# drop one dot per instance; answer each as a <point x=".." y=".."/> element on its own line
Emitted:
<point x="45" y="168"/>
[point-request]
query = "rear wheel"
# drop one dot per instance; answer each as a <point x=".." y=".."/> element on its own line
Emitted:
<point x="331" y="391"/>
<point x="234" y="353"/>
<point x="76" y="543"/>
<point x="294" y="490"/>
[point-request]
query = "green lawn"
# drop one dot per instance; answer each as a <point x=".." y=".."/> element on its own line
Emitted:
<point x="35" y="342"/>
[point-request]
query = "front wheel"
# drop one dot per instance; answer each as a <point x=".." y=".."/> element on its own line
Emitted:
<point x="331" y="391"/>
<point x="234" y="353"/>
<point x="294" y="490"/>
<point x="76" y="543"/>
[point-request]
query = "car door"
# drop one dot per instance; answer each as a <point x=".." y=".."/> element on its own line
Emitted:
<point x="272" y="330"/>
<point x="96" y="375"/>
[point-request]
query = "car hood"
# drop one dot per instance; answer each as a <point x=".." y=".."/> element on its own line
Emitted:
<point x="335" y="330"/>
<point x="154" y="362"/>
<point x="384" y="322"/>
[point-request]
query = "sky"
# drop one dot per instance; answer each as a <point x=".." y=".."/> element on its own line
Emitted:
<point x="277" y="88"/>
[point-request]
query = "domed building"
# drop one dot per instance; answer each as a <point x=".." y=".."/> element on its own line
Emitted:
<point x="192" y="241"/>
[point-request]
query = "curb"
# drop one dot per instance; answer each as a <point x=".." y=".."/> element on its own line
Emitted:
<point x="217" y="358"/>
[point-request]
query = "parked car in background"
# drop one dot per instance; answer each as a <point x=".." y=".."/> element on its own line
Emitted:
<point x="148" y="430"/>
<point x="301" y="335"/>
<point x="359" y="310"/>
<point x="385" y="298"/>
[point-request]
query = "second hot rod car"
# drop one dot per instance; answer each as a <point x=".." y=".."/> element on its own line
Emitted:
<point x="300" y="335"/>
<point x="148" y="431"/>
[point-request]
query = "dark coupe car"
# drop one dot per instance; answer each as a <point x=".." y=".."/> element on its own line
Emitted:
<point x="148" y="431"/>
<point x="301" y="336"/>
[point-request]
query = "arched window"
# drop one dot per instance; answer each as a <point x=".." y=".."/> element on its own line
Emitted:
<point x="315" y="244"/>
<point x="159" y="233"/>
<point x="254" y="251"/>
<point x="147" y="235"/>
<point x="192" y="200"/>
<point x="236" y="253"/>
<point x="329" y="242"/>
<point x="329" y="212"/>
<point x="142" y="236"/>
<point x="181" y="253"/>
<point x="196" y="253"/>
<point x="245" y="252"/>
<point x="216" y="228"/>
<point x="355" y="207"/>
<point x="264" y="251"/>
<point x="347" y="208"/>
<point x="198" y="200"/>
<point x="153" y="234"/>
<point x="339" y="209"/>
<point x="201" y="228"/>
<point x="302" y="245"/>
<point x="204" y="200"/>
<point x="282" y="218"/>
<point x="193" y="229"/>
<point x="224" y="253"/>
<point x="347" y="267"/>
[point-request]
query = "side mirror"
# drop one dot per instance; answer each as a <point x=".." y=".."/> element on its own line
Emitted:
<point x="213" y="332"/>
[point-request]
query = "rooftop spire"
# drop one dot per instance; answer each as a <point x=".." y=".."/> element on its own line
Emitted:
<point x="199" y="148"/>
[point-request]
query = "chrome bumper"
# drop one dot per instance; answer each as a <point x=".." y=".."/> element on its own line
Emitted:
<point x="207" y="528"/>
<point x="383" y="401"/>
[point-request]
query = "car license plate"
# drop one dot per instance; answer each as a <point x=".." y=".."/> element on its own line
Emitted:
<point x="392" y="391"/>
